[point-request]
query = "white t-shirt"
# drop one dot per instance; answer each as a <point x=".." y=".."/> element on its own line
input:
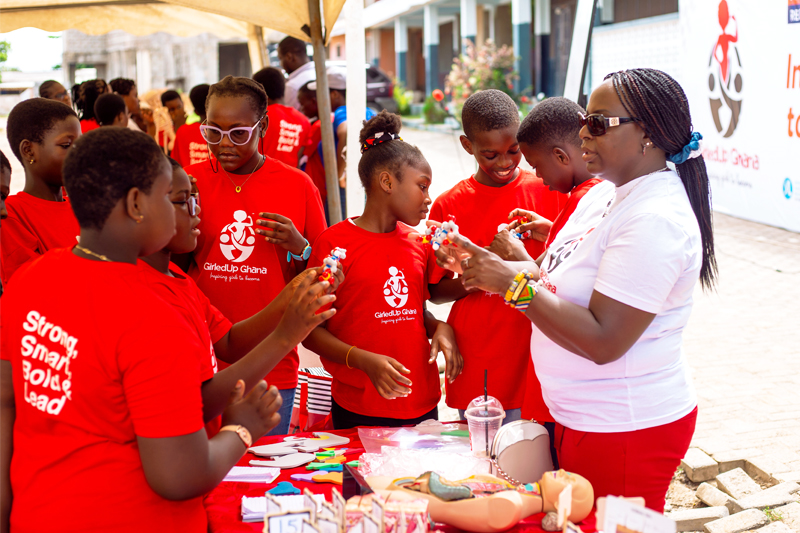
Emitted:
<point x="646" y="253"/>
<point x="295" y="82"/>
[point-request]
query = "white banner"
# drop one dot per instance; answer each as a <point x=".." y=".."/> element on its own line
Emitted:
<point x="741" y="72"/>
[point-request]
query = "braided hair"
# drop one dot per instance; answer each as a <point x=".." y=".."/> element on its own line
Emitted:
<point x="390" y="156"/>
<point x="87" y="94"/>
<point x="661" y="108"/>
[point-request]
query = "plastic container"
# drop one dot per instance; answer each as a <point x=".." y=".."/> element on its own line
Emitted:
<point x="484" y="418"/>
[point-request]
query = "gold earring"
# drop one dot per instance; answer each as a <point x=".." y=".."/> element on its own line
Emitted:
<point x="645" y="146"/>
<point x="32" y="161"/>
<point x="139" y="220"/>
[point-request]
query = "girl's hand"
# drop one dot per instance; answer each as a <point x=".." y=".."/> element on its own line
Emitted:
<point x="301" y="317"/>
<point x="444" y="251"/>
<point x="338" y="278"/>
<point x="385" y="373"/>
<point x="537" y="224"/>
<point x="283" y="233"/>
<point x="258" y="411"/>
<point x="444" y="340"/>
<point x="509" y="248"/>
<point x="482" y="269"/>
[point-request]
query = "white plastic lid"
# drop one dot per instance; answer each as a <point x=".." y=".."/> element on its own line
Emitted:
<point x="485" y="408"/>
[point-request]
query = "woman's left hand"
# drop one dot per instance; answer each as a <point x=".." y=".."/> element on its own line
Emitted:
<point x="444" y="340"/>
<point x="283" y="233"/>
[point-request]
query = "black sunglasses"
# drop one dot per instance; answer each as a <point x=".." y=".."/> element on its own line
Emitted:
<point x="598" y="124"/>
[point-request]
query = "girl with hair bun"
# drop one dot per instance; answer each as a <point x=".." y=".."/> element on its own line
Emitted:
<point x="376" y="345"/>
<point x="614" y="291"/>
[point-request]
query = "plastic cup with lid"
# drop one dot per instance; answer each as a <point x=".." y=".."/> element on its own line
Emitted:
<point x="484" y="416"/>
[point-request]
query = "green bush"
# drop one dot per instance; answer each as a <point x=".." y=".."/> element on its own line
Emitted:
<point x="402" y="97"/>
<point x="433" y="111"/>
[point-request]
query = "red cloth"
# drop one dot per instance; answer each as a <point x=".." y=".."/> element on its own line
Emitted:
<point x="574" y="197"/>
<point x="182" y="293"/>
<point x="478" y="211"/>
<point x="241" y="279"/>
<point x="287" y="132"/>
<point x="189" y="147"/>
<point x="96" y="364"/>
<point x="380" y="309"/>
<point x="89" y="125"/>
<point x="314" y="167"/>
<point x="634" y="463"/>
<point x="33" y="227"/>
<point x="224" y="503"/>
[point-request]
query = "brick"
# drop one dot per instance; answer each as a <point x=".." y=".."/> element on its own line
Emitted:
<point x="699" y="466"/>
<point x="788" y="476"/>
<point x="776" y="496"/>
<point x="737" y="523"/>
<point x="713" y="497"/>
<point x="737" y="484"/>
<point x="695" y="519"/>
<point x="775" y="527"/>
<point x="790" y="515"/>
<point x="762" y="468"/>
<point x="729" y="460"/>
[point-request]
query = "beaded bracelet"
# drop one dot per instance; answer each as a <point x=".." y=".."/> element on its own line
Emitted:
<point x="526" y="298"/>
<point x="513" y="287"/>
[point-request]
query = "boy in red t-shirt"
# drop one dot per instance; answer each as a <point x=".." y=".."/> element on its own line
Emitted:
<point x="377" y="343"/>
<point x="252" y="346"/>
<point x="250" y="194"/>
<point x="287" y="134"/>
<point x="40" y="218"/>
<point x="190" y="147"/>
<point x="113" y="439"/>
<point x="480" y="204"/>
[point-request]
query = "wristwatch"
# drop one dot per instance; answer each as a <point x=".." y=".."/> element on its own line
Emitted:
<point x="302" y="257"/>
<point x="243" y="433"/>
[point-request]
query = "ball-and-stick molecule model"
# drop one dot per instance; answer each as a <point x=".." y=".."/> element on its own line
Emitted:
<point x="331" y="264"/>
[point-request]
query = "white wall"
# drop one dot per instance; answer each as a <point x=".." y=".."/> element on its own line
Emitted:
<point x="652" y="42"/>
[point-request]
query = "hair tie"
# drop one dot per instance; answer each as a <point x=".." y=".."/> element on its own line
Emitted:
<point x="690" y="151"/>
<point x="379" y="138"/>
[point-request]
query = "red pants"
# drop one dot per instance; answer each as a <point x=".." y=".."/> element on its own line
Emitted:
<point x="635" y="463"/>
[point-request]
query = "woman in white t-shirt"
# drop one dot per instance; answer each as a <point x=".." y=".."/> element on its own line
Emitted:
<point x="607" y="341"/>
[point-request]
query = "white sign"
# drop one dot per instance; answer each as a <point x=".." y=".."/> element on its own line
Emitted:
<point x="741" y="73"/>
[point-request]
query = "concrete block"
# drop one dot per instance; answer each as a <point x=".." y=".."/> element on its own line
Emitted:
<point x="772" y="497"/>
<point x="737" y="484"/>
<point x="788" y="476"/>
<point x="790" y="515"/>
<point x="729" y="460"/>
<point x="713" y="497"/>
<point x="699" y="466"/>
<point x="763" y="468"/>
<point x="737" y="523"/>
<point x="695" y="519"/>
<point x="775" y="527"/>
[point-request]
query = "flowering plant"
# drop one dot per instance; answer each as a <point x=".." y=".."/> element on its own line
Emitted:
<point x="487" y="67"/>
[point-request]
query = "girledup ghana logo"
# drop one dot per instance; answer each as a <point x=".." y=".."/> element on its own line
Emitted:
<point x="395" y="290"/>
<point x="725" y="75"/>
<point x="237" y="239"/>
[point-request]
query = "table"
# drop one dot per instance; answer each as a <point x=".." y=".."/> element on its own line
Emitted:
<point x="223" y="504"/>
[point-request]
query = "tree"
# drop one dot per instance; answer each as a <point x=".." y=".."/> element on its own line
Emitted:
<point x="5" y="47"/>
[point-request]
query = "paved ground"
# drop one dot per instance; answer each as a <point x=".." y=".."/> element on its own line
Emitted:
<point x="743" y="341"/>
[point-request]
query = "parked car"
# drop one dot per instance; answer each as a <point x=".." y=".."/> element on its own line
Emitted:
<point x="380" y="90"/>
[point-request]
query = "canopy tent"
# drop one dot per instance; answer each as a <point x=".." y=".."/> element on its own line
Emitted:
<point x="246" y="18"/>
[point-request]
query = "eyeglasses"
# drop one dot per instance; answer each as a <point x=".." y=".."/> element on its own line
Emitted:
<point x="598" y="124"/>
<point x="238" y="136"/>
<point x="192" y="203"/>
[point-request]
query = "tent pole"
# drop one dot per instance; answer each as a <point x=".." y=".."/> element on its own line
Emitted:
<point x="255" y="45"/>
<point x="324" y="106"/>
<point x="356" y="100"/>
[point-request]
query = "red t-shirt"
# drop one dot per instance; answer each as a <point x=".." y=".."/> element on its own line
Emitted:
<point x="572" y="202"/>
<point x="34" y="226"/>
<point x="380" y="309"/>
<point x="189" y="147"/>
<point x="182" y="293"/>
<point x="314" y="167"/>
<point x="287" y="132"/>
<point x="95" y="363"/>
<point x="89" y="124"/>
<point x="489" y="334"/>
<point x="237" y="269"/>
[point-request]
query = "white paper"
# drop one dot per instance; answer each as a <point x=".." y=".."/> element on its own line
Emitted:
<point x="624" y="517"/>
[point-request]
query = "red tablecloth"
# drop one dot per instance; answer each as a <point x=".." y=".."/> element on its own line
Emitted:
<point x="224" y="503"/>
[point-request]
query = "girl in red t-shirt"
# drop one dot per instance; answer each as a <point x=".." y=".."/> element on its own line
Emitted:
<point x="377" y="345"/>
<point x="249" y="194"/>
<point x="111" y="440"/>
<point x="252" y="346"/>
<point x="41" y="133"/>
